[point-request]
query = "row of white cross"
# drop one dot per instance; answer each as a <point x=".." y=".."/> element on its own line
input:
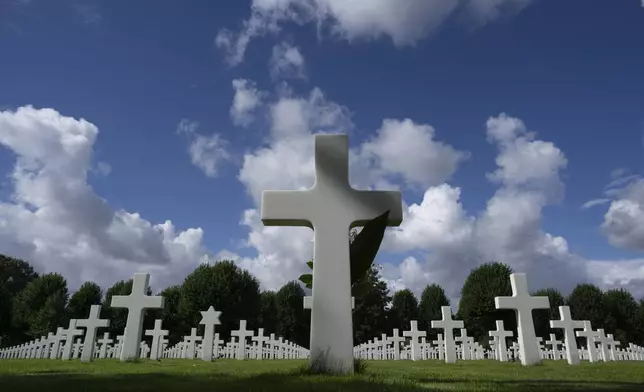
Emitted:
<point x="413" y="343"/>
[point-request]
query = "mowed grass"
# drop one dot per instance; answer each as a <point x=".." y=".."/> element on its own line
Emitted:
<point x="287" y="375"/>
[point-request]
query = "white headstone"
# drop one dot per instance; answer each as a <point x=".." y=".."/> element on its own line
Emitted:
<point x="191" y="340"/>
<point x="91" y="324"/>
<point x="554" y="345"/>
<point x="331" y="207"/>
<point x="136" y="303"/>
<point x="396" y="339"/>
<point x="209" y="318"/>
<point x="260" y="339"/>
<point x="105" y="342"/>
<point x="523" y="304"/>
<point x="568" y="325"/>
<point x="590" y="336"/>
<point x="58" y="338"/>
<point x="448" y="326"/>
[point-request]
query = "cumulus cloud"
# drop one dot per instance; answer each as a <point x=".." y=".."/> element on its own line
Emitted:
<point x="404" y="22"/>
<point x="286" y="62"/>
<point x="206" y="152"/>
<point x="287" y="162"/>
<point x="246" y="100"/>
<point x="55" y="220"/>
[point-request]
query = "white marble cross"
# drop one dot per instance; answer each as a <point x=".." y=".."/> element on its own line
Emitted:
<point x="105" y="342"/>
<point x="448" y="325"/>
<point x="554" y="345"/>
<point x="523" y="304"/>
<point x="590" y="336"/>
<point x="157" y="335"/>
<point x="414" y="334"/>
<point x="58" y="338"/>
<point x="331" y="207"/>
<point x="191" y="340"/>
<point x="91" y="324"/>
<point x="602" y="339"/>
<point x="464" y="339"/>
<point x="242" y="333"/>
<point x="396" y="340"/>
<point x="308" y="302"/>
<point x="136" y="303"/>
<point x="260" y="339"/>
<point x="568" y="325"/>
<point x="500" y="335"/>
<point x="70" y="333"/>
<point x="209" y="319"/>
<point x="612" y="346"/>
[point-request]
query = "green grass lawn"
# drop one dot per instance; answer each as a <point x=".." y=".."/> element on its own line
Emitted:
<point x="282" y="375"/>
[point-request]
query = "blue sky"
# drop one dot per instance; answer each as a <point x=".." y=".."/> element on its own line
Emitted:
<point x="571" y="71"/>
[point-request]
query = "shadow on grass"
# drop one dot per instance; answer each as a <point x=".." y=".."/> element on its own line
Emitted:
<point x="269" y="382"/>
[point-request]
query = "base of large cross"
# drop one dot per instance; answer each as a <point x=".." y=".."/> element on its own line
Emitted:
<point x="308" y="302"/>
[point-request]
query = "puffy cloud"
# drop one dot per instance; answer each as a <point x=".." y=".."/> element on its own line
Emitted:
<point x="286" y="62"/>
<point x="246" y="100"/>
<point x="287" y="162"/>
<point x="624" y="221"/>
<point x="206" y="152"/>
<point x="404" y="22"/>
<point x="55" y="220"/>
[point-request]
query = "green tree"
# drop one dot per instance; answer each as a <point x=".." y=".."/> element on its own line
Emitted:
<point x="621" y="315"/>
<point x="371" y="297"/>
<point x="638" y="337"/>
<point x="587" y="302"/>
<point x="40" y="307"/>
<point x="404" y="308"/>
<point x="542" y="317"/>
<point x="476" y="307"/>
<point x="15" y="274"/>
<point x="82" y="300"/>
<point x="431" y="300"/>
<point x="268" y="318"/>
<point x="170" y="314"/>
<point x="226" y="287"/>
<point x="294" y="322"/>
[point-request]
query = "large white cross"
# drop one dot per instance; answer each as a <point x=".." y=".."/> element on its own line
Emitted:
<point x="209" y="319"/>
<point x="523" y="303"/>
<point x="136" y="303"/>
<point x="500" y="335"/>
<point x="590" y="336"/>
<point x="91" y="324"/>
<point x="242" y="333"/>
<point x="157" y="335"/>
<point x="448" y="326"/>
<point x="331" y="207"/>
<point x="70" y="333"/>
<point x="568" y="325"/>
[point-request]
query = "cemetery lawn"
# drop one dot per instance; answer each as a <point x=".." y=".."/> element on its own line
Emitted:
<point x="286" y="375"/>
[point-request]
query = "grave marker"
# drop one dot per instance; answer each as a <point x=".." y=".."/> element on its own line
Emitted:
<point x="331" y="207"/>
<point x="448" y="326"/>
<point x="209" y="319"/>
<point x="523" y="303"/>
<point x="568" y="325"/>
<point x="91" y="324"/>
<point x="136" y="303"/>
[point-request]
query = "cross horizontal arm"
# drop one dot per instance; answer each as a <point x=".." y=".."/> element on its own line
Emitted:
<point x="287" y="208"/>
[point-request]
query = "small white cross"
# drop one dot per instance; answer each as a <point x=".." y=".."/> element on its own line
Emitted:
<point x="157" y="335"/>
<point x="590" y="336"/>
<point x="70" y="333"/>
<point x="500" y="335"/>
<point x="260" y="339"/>
<point x="568" y="325"/>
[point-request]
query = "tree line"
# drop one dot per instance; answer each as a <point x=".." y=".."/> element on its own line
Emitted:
<point x="32" y="304"/>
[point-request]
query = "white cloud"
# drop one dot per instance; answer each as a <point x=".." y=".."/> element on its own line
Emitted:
<point x="404" y="22"/>
<point x="594" y="202"/>
<point x="206" y="152"/>
<point x="286" y="62"/>
<point x="246" y="100"/>
<point x="56" y="221"/>
<point x="624" y="221"/>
